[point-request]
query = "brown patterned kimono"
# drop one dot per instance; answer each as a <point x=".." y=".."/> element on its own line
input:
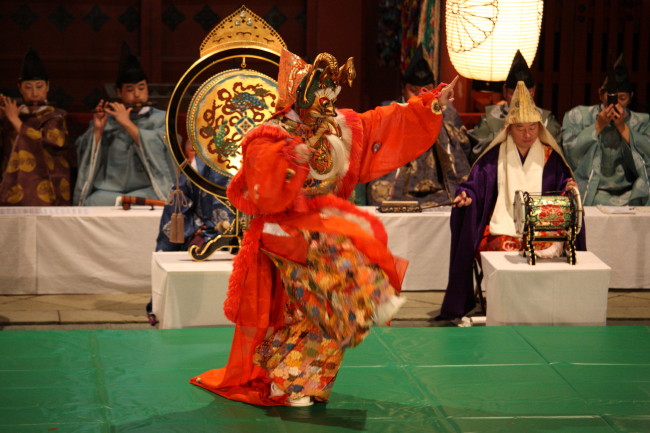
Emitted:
<point x="35" y="169"/>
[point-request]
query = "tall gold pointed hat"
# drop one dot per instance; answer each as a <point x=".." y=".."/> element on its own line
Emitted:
<point x="522" y="107"/>
<point x="523" y="110"/>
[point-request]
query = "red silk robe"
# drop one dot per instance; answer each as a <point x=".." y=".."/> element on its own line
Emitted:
<point x="270" y="187"/>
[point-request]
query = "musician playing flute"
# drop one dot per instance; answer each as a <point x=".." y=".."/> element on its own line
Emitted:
<point x="124" y="152"/>
<point x="35" y="165"/>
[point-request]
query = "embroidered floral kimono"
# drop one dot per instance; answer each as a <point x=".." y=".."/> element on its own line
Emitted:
<point x="313" y="267"/>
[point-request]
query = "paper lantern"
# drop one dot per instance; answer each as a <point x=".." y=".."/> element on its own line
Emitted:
<point x="484" y="35"/>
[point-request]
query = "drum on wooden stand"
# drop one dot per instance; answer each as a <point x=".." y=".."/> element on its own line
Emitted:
<point x="555" y="218"/>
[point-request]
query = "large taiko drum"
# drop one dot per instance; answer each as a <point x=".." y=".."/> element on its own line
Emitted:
<point x="548" y="217"/>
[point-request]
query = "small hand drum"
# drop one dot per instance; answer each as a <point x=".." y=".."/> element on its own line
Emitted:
<point x="548" y="218"/>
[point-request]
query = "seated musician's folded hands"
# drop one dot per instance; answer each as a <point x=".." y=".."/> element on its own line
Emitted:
<point x="570" y="184"/>
<point x="461" y="200"/>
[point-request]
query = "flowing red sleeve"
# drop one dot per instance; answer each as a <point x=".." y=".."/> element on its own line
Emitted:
<point x="397" y="134"/>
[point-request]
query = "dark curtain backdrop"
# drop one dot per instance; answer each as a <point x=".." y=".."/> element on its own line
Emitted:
<point x="79" y="40"/>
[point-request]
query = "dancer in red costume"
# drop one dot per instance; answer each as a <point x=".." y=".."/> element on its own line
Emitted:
<point x="314" y="272"/>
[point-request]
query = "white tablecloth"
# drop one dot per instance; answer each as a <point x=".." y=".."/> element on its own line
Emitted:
<point x="108" y="250"/>
<point x="189" y="294"/>
<point x="77" y="249"/>
<point x="552" y="292"/>
<point x="424" y="240"/>
<point x="17" y="254"/>
<point x="622" y="241"/>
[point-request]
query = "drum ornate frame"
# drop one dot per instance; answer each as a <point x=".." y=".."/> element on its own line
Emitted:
<point x="241" y="36"/>
<point x="527" y="210"/>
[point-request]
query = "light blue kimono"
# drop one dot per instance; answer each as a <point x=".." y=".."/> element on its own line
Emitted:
<point x="608" y="170"/>
<point x="118" y="166"/>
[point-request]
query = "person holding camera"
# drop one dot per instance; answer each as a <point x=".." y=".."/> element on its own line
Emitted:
<point x="608" y="145"/>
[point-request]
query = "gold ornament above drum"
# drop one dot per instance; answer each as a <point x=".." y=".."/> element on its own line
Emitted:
<point x="556" y="218"/>
<point x="223" y="110"/>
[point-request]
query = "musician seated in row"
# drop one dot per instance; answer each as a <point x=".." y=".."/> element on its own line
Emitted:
<point x="608" y="145"/>
<point x="523" y="156"/>
<point x="124" y="151"/>
<point x="492" y="121"/>
<point x="35" y="153"/>
<point x="204" y="216"/>
<point x="431" y="178"/>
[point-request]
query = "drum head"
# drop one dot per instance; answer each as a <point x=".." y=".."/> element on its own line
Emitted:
<point x="519" y="212"/>
<point x="223" y="110"/>
<point x="579" y="210"/>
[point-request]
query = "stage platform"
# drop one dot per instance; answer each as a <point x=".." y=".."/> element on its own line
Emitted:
<point x="402" y="380"/>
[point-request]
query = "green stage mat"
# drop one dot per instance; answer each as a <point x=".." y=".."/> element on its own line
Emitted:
<point x="402" y="380"/>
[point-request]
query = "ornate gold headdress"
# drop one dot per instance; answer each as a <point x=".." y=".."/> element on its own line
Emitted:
<point x="292" y="70"/>
<point x="327" y="63"/>
<point x="522" y="107"/>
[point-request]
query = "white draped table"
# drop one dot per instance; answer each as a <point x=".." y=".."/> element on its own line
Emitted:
<point x="189" y="294"/>
<point x="621" y="240"/>
<point x="46" y="250"/>
<point x="552" y="292"/>
<point x="108" y="250"/>
<point x="424" y="240"/>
